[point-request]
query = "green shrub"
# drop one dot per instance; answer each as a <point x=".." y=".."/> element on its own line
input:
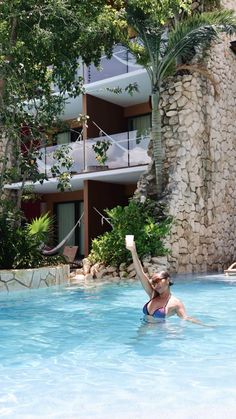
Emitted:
<point x="147" y="222"/>
<point x="20" y="246"/>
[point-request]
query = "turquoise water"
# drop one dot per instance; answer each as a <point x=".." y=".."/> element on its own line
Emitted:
<point x="86" y="353"/>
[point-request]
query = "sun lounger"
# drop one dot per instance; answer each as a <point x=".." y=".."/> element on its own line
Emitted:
<point x="231" y="270"/>
<point x="70" y="252"/>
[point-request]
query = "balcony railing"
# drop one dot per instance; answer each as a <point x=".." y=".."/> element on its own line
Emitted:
<point x="127" y="149"/>
<point x="121" y="62"/>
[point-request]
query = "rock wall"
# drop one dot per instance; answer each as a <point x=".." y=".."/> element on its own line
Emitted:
<point x="199" y="137"/>
<point x="101" y="273"/>
<point x="202" y="5"/>
<point x="22" y="279"/>
<point x="229" y="4"/>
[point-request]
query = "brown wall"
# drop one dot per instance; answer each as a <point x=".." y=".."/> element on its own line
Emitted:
<point x="137" y="110"/>
<point x="53" y="198"/>
<point x="108" y="117"/>
<point x="96" y="194"/>
<point x="31" y="209"/>
<point x="100" y="195"/>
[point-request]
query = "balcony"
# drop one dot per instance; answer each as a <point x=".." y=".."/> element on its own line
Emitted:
<point x="127" y="150"/>
<point x="121" y="62"/>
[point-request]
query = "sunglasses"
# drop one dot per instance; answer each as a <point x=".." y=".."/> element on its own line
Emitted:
<point x="156" y="280"/>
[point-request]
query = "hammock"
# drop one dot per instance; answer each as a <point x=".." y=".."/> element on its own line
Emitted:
<point x="56" y="249"/>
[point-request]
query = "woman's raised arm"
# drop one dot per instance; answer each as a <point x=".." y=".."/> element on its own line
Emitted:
<point x="139" y="269"/>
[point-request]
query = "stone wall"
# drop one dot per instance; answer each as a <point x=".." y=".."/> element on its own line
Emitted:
<point x="22" y="279"/>
<point x="199" y="137"/>
<point x="201" y="5"/>
<point x="101" y="273"/>
<point x="229" y="4"/>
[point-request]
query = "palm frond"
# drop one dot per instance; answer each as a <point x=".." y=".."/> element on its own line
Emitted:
<point x="146" y="21"/>
<point x="140" y="53"/>
<point x="200" y="29"/>
<point x="40" y="226"/>
<point x="148" y="40"/>
<point x="196" y="31"/>
<point x="224" y="20"/>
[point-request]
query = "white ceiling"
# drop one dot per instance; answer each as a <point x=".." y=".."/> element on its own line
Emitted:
<point x="120" y="176"/>
<point x="99" y="89"/>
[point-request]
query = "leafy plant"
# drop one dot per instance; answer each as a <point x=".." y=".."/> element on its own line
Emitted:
<point x="167" y="36"/>
<point x="147" y="221"/>
<point x="20" y="246"/>
<point x="37" y="77"/>
<point x="100" y="148"/>
<point x="40" y="227"/>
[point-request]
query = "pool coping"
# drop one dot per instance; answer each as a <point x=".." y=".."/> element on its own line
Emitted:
<point x="20" y="279"/>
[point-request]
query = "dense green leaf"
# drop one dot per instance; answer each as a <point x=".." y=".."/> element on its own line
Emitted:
<point x="167" y="33"/>
<point x="20" y="246"/>
<point x="42" y="45"/>
<point x="146" y="221"/>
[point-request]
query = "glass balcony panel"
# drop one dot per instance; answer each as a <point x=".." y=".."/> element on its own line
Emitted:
<point x="121" y="62"/>
<point x="47" y="160"/>
<point x="127" y="149"/>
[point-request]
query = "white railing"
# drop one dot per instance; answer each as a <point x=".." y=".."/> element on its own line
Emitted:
<point x="127" y="149"/>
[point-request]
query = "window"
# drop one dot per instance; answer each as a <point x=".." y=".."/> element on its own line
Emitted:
<point x="63" y="138"/>
<point x="140" y="123"/>
<point x="67" y="214"/>
<point x="67" y="137"/>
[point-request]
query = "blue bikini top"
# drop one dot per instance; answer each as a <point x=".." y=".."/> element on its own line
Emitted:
<point x="159" y="313"/>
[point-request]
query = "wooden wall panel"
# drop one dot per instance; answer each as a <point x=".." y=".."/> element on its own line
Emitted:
<point x="107" y="116"/>
<point x="100" y="195"/>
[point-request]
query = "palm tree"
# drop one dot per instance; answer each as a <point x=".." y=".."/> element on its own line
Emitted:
<point x="162" y="41"/>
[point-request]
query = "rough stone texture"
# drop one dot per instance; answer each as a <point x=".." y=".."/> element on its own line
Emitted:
<point x="229" y="4"/>
<point x="200" y="5"/>
<point x="99" y="272"/>
<point x="19" y="279"/>
<point x="199" y="171"/>
<point x="200" y="155"/>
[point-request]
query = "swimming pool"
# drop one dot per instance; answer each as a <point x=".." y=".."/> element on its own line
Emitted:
<point x="86" y="353"/>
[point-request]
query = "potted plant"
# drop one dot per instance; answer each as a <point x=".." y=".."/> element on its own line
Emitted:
<point x="100" y="148"/>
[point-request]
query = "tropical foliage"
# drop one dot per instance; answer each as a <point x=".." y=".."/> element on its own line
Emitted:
<point x="146" y="221"/>
<point x="100" y="148"/>
<point x="21" y="247"/>
<point x="40" y="46"/>
<point x="167" y="34"/>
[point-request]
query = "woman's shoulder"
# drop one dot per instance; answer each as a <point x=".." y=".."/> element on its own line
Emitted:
<point x="175" y="301"/>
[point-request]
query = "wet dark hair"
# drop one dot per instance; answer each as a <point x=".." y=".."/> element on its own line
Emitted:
<point x="162" y="275"/>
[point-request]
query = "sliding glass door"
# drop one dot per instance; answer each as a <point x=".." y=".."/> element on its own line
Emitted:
<point x="67" y="214"/>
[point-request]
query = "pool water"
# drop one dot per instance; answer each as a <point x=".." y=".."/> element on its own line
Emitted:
<point x="85" y="352"/>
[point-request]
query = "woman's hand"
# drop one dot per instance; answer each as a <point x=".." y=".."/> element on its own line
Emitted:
<point x="130" y="243"/>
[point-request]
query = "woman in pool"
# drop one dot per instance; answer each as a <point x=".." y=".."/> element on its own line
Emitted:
<point x="162" y="303"/>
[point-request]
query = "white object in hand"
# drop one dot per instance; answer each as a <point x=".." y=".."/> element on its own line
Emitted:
<point x="129" y="239"/>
